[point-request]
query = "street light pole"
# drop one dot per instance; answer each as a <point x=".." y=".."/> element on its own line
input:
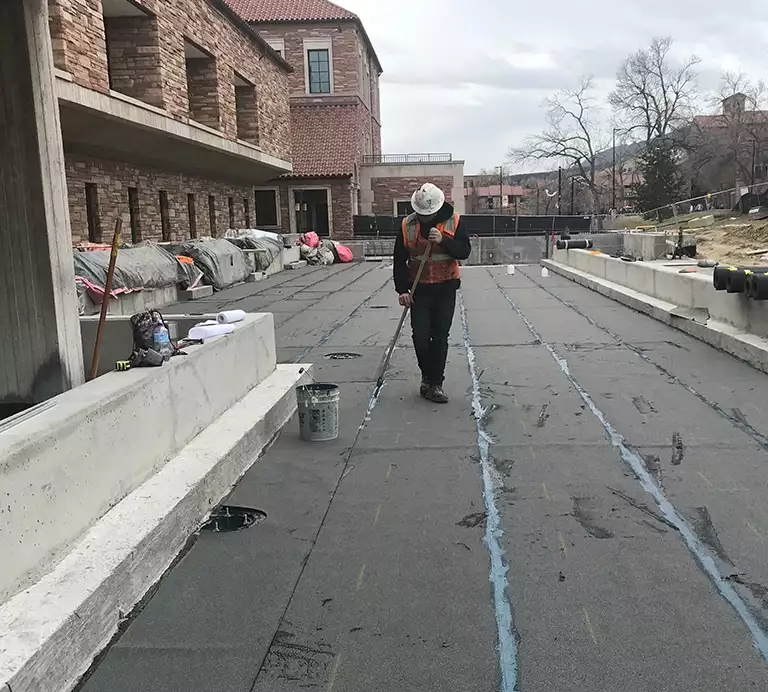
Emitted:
<point x="559" y="190"/>
<point x="614" y="170"/>
<point x="501" y="189"/>
<point x="573" y="192"/>
<point x="754" y="155"/>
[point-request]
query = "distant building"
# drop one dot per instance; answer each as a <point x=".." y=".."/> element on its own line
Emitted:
<point x="730" y="149"/>
<point x="339" y="170"/>
<point x="335" y="118"/>
<point x="492" y="199"/>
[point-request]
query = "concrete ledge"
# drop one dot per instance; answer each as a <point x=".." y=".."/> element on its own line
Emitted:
<point x="117" y="339"/>
<point x="138" y="114"/>
<point x="64" y="468"/>
<point x="664" y="282"/>
<point x="136" y="301"/>
<point x="196" y="293"/>
<point x="50" y="633"/>
<point x="747" y="347"/>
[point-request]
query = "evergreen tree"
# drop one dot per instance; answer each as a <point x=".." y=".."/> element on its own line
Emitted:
<point x="661" y="182"/>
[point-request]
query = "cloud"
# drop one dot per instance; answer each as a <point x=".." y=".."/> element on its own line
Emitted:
<point x="471" y="77"/>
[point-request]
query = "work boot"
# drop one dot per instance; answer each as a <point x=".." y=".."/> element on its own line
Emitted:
<point x="424" y="388"/>
<point x="437" y="395"/>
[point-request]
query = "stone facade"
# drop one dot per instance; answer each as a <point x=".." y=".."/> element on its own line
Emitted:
<point x="203" y="91"/>
<point x="113" y="181"/>
<point x="133" y="53"/>
<point x="355" y="83"/>
<point x="246" y="99"/>
<point x="387" y="191"/>
<point x="81" y="36"/>
<point x="79" y="41"/>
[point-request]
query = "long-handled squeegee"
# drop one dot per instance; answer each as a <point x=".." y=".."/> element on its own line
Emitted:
<point x="388" y="353"/>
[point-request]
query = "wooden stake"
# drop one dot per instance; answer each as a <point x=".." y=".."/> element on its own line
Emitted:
<point x="391" y="347"/>
<point x="105" y="298"/>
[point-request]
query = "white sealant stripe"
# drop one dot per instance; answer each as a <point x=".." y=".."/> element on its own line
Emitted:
<point x="669" y="511"/>
<point x="493" y="532"/>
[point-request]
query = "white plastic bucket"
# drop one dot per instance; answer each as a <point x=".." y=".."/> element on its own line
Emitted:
<point x="318" y="407"/>
<point x="510" y="269"/>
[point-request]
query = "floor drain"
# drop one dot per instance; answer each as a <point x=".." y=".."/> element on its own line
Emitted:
<point x="228" y="518"/>
<point x="342" y="356"/>
<point x="379" y="307"/>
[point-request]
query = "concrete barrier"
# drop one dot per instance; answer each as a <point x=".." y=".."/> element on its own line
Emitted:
<point x="653" y="245"/>
<point x="63" y="468"/>
<point x="117" y="337"/>
<point x="668" y="284"/>
<point x="735" y="324"/>
<point x="51" y="632"/>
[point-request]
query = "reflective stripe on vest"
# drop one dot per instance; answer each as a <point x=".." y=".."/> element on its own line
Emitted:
<point x="440" y="266"/>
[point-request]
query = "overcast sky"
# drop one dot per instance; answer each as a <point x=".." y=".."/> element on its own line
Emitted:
<point x="469" y="76"/>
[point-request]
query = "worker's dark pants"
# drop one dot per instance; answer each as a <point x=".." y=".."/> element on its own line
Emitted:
<point x="431" y="318"/>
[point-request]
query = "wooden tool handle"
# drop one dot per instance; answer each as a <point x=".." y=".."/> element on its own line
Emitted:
<point x="105" y="298"/>
<point x="391" y="347"/>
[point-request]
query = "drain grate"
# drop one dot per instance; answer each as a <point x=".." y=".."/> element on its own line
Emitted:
<point x="379" y="307"/>
<point x="229" y="518"/>
<point x="342" y="356"/>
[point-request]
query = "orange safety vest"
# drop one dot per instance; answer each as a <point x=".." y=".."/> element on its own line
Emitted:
<point x="440" y="266"/>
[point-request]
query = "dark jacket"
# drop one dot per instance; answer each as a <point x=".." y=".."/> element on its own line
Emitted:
<point x="458" y="247"/>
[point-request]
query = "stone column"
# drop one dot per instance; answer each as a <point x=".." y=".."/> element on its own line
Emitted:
<point x="40" y="347"/>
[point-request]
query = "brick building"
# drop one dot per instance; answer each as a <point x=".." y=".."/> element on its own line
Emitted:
<point x="335" y="116"/>
<point x="171" y="113"/>
<point x="387" y="181"/>
<point x="489" y="199"/>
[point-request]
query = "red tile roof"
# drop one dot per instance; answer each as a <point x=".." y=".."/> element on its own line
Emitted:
<point x="325" y="140"/>
<point x="279" y="11"/>
<point x="290" y="10"/>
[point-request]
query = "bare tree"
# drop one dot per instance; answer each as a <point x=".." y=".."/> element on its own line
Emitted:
<point x="729" y="145"/>
<point x="654" y="95"/>
<point x="574" y="136"/>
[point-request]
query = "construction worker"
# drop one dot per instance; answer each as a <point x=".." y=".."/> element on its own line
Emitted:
<point x="433" y="225"/>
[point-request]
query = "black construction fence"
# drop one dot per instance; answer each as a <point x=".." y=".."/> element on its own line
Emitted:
<point x="483" y="225"/>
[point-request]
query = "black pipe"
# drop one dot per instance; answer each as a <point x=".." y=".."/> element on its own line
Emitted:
<point x="756" y="286"/>
<point x="578" y="244"/>
<point x="722" y="272"/>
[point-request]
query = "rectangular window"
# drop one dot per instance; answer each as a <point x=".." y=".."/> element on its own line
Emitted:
<point x="212" y="214"/>
<point x="277" y="45"/>
<point x="231" y="205"/>
<point x="266" y="209"/>
<point x="319" y="68"/>
<point x="133" y="212"/>
<point x="165" y="218"/>
<point x="92" y="212"/>
<point x="404" y="208"/>
<point x="247" y="212"/>
<point x="192" y="212"/>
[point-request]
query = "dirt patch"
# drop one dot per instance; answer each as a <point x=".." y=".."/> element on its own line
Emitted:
<point x="732" y="240"/>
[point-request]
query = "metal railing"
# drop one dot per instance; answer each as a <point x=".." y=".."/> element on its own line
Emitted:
<point x="408" y="158"/>
<point x="725" y="200"/>
<point x="381" y="227"/>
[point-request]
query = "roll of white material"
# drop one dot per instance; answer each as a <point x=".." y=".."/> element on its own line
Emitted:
<point x="230" y="316"/>
<point x="201" y="332"/>
<point x="510" y="269"/>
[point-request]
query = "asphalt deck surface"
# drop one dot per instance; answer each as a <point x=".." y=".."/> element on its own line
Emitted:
<point x="627" y="471"/>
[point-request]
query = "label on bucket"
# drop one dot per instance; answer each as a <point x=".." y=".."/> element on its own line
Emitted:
<point x="318" y="408"/>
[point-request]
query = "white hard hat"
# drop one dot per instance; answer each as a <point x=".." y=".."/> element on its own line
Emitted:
<point x="428" y="199"/>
